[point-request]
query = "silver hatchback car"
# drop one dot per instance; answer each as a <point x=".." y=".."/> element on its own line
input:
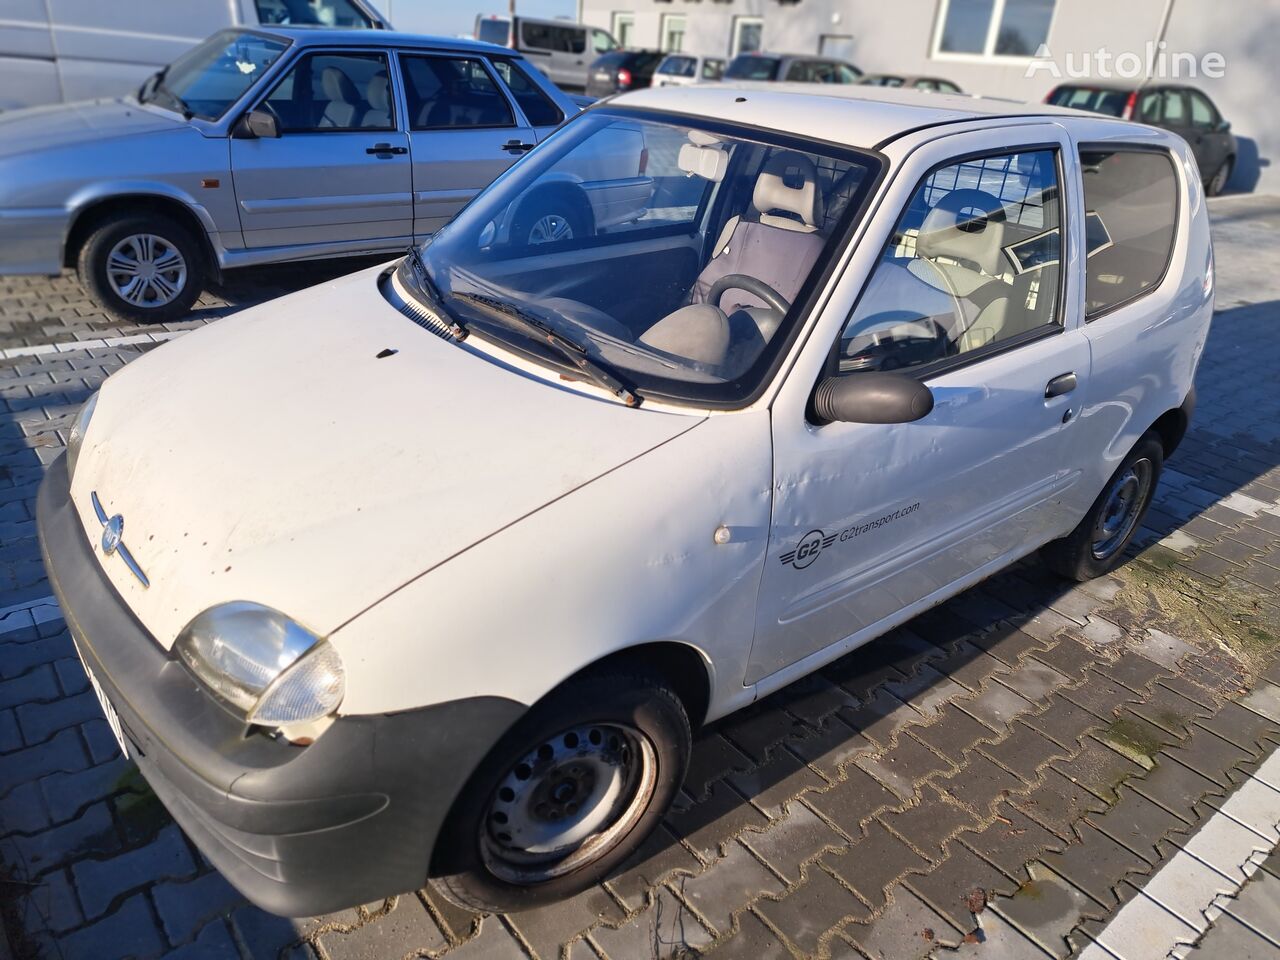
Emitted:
<point x="259" y="146"/>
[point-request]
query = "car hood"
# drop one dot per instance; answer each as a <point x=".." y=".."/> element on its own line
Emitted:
<point x="40" y="129"/>
<point x="273" y="457"/>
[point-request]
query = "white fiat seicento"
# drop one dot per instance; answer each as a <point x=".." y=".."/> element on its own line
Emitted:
<point x="430" y="571"/>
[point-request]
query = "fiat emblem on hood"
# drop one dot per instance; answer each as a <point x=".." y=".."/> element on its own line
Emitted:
<point x="112" y="539"/>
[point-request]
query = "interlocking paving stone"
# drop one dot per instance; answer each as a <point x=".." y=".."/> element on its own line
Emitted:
<point x="666" y="929"/>
<point x="712" y="758"/>
<point x="811" y="909"/>
<point x="969" y="666"/>
<point x="904" y="765"/>
<point x="1232" y="939"/>
<point x="1258" y="907"/>
<point x="711" y="823"/>
<point x="1062" y="722"/>
<point x="1264" y="699"/>
<point x="874" y="864"/>
<point x="930" y="822"/>
<point x="880" y="718"/>
<point x="753" y="941"/>
<point x="661" y="855"/>
<point x="852" y="800"/>
<point x="545" y="928"/>
<point x="717" y="894"/>
<point x="788" y="843"/>
<point x="100" y="881"/>
<point x="832" y="748"/>
<point x="1242" y="727"/>
<point x="1045" y="909"/>
<point x="997" y="940"/>
<point x="954" y="734"/>
<point x="1034" y="680"/>
<point x="908" y="929"/>
<point x="90" y="833"/>
<point x="1137" y="823"/>
<point x="1010" y="842"/>
<point x="775" y="781"/>
<point x="214" y="942"/>
<point x="996" y="706"/>
<point x="1210" y="756"/>
<point x="949" y="887"/>
<point x="54" y="900"/>
<point x="980" y="784"/>
<point x="1056" y="803"/>
<point x="1136" y="672"/>
<point x="1024" y="751"/>
<point x="184" y="907"/>
<point x="1098" y="769"/>
<point x="1096" y="864"/>
<point x="1170" y="711"/>
<point x="128" y="931"/>
<point x="407" y="926"/>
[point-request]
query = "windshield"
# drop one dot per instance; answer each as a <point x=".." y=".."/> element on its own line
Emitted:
<point x="206" y="80"/>
<point x="677" y="252"/>
<point x="752" y="66"/>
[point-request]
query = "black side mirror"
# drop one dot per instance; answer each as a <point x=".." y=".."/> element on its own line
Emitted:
<point x="257" y="124"/>
<point x="1224" y="126"/>
<point x="871" y="397"/>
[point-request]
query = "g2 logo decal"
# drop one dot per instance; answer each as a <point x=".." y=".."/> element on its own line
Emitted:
<point x="811" y="544"/>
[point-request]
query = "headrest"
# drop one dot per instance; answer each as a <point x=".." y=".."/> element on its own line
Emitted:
<point x="337" y="85"/>
<point x="965" y="225"/>
<point x="377" y="92"/>
<point x="788" y="184"/>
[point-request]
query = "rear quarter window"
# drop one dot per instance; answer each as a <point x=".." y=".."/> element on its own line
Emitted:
<point x="752" y="68"/>
<point x="1131" y="209"/>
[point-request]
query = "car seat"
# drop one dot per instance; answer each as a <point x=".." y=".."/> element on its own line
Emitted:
<point x="345" y="108"/>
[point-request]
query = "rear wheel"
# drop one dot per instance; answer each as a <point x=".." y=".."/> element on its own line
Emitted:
<point x="567" y="796"/>
<point x="1097" y="545"/>
<point x="142" y="269"/>
<point x="554" y="216"/>
<point x="1218" y="182"/>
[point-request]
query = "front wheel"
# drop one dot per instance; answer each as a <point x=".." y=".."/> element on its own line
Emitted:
<point x="1218" y="182"/>
<point x="555" y="216"/>
<point x="1097" y="545"/>
<point x="567" y="796"/>
<point x="142" y="269"/>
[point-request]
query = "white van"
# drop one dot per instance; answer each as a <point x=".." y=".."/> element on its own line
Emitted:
<point x="83" y="49"/>
<point x="561" y="49"/>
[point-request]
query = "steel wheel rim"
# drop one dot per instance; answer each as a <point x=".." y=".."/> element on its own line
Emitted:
<point x="551" y="228"/>
<point x="1121" y="509"/>
<point x="146" y="270"/>
<point x="568" y="802"/>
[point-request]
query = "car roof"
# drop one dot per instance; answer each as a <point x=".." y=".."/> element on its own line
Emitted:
<point x="328" y="37"/>
<point x="778" y="55"/>
<point x="849" y="113"/>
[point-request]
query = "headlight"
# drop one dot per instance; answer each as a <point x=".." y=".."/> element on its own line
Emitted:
<point x="75" y="439"/>
<point x="265" y="666"/>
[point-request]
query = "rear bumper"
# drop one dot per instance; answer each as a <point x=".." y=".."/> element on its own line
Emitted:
<point x="298" y="830"/>
<point x="31" y="240"/>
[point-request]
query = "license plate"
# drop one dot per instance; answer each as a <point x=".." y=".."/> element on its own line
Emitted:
<point x="113" y="719"/>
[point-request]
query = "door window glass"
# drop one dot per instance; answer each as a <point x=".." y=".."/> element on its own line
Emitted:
<point x="601" y="42"/>
<point x="1164" y="107"/>
<point x="1202" y="113"/>
<point x="712" y="69"/>
<point x="678" y="66"/>
<point x="313" y="13"/>
<point x="974" y="260"/>
<point x="330" y="92"/>
<point x="752" y="66"/>
<point x="1131" y="207"/>
<point x="846" y="73"/>
<point x="536" y="105"/>
<point x="549" y="36"/>
<point x="445" y="93"/>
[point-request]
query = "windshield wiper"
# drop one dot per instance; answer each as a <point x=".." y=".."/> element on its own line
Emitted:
<point x="183" y="108"/>
<point x="422" y="276"/>
<point x="568" y="348"/>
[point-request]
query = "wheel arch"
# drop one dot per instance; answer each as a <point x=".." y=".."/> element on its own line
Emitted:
<point x="562" y="187"/>
<point x="92" y="213"/>
<point x="1171" y="426"/>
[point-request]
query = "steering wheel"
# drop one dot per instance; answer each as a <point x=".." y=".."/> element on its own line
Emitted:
<point x="757" y="288"/>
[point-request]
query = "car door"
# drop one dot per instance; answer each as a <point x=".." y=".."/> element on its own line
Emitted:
<point x="522" y="85"/>
<point x="463" y="131"/>
<point x="1167" y="107"/>
<point x="1206" y="129"/>
<point x="967" y="292"/>
<point x="339" y="171"/>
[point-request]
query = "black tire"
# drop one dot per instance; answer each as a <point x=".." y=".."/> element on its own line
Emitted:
<point x="153" y="303"/>
<point x="466" y="869"/>
<point x="1076" y="556"/>
<point x="1218" y="182"/>
<point x="565" y="206"/>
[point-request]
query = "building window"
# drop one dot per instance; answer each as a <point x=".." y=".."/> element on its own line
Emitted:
<point x="624" y="28"/>
<point x="748" y="35"/>
<point x="673" y="25"/>
<point x="992" y="28"/>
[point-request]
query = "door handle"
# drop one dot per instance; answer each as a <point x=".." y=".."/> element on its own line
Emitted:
<point x="1060" y="385"/>
<point x="384" y="150"/>
<point x="515" y="146"/>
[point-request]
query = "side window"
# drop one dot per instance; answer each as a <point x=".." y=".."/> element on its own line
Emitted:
<point x="847" y="73"/>
<point x="973" y="261"/>
<point x="536" y="35"/>
<point x="601" y="42"/>
<point x="1202" y="113"/>
<point x="537" y="107"/>
<point x="331" y="92"/>
<point x="800" y="71"/>
<point x="312" y="13"/>
<point x="449" y="93"/>
<point x="1131" y="211"/>
<point x="712" y="69"/>
<point x="569" y="39"/>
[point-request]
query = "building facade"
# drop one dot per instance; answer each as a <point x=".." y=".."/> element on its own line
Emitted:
<point x="1225" y="47"/>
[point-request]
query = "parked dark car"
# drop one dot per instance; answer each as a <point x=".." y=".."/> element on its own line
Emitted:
<point x="622" y="70"/>
<point x="1185" y="110"/>
<point x="936" y="84"/>
<point x="794" y="67"/>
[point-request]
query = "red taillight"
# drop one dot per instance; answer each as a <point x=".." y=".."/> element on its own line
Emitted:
<point x="624" y="77"/>
<point x="644" y="160"/>
<point x="1129" y="105"/>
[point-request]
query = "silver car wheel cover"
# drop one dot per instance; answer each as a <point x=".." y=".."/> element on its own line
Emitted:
<point x="146" y="270"/>
<point x="1121" y="509"/>
<point x="551" y="228"/>
<point x="568" y="802"/>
